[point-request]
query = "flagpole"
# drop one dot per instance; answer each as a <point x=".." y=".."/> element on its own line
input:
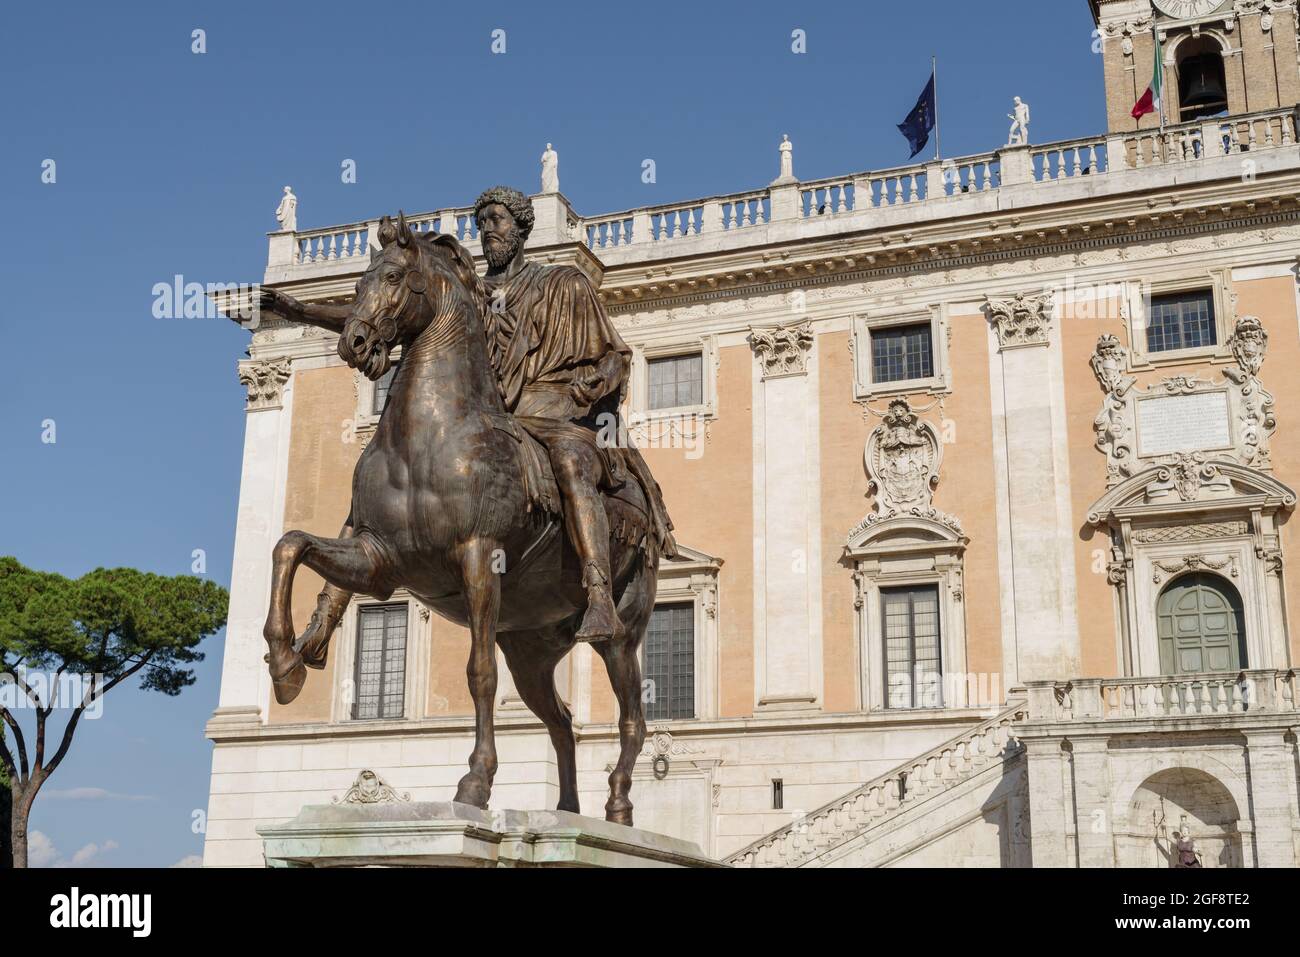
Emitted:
<point x="934" y="78"/>
<point x="1160" y="104"/>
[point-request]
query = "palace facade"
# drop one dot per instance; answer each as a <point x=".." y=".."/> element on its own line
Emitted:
<point x="983" y="471"/>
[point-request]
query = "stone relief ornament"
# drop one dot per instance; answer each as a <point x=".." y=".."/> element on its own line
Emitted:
<point x="902" y="457"/>
<point x="1192" y="563"/>
<point x="370" y="788"/>
<point x="1021" y="321"/>
<point x="265" y="381"/>
<point x="1239" y="432"/>
<point x="782" y="350"/>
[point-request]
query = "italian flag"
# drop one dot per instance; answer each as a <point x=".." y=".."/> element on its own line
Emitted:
<point x="1152" y="100"/>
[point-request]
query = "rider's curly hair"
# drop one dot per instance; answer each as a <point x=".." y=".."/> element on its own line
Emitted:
<point x="520" y="206"/>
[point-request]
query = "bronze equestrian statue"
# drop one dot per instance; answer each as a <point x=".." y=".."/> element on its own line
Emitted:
<point x="493" y="489"/>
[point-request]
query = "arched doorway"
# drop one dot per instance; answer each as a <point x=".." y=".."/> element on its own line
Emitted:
<point x="1200" y="625"/>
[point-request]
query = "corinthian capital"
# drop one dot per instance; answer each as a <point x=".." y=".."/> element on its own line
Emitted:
<point x="783" y="350"/>
<point x="265" y="379"/>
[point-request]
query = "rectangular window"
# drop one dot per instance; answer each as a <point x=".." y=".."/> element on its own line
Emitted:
<point x="382" y="385"/>
<point x="381" y="662"/>
<point x="778" y="794"/>
<point x="910" y="624"/>
<point x="670" y="662"/>
<point x="901" y="353"/>
<point x="676" y="381"/>
<point x="1182" y="320"/>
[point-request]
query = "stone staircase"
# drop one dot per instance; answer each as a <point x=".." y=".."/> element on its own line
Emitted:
<point x="886" y="798"/>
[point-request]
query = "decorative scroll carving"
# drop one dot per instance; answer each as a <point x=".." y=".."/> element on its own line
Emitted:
<point x="1187" y="475"/>
<point x="265" y="382"/>
<point x="782" y="350"/>
<point x="1021" y="321"/>
<point x="1246" y="430"/>
<point x="1113" y="424"/>
<point x="662" y="743"/>
<point x="1192" y="563"/>
<point x="370" y="788"/>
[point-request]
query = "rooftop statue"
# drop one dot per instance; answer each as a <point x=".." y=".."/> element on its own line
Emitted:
<point x="286" y="214"/>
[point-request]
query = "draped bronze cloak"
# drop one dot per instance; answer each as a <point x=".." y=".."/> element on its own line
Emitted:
<point x="544" y="325"/>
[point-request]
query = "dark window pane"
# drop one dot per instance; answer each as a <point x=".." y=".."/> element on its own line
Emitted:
<point x="669" y="662"/>
<point x="901" y="353"/>
<point x="381" y="662"/>
<point x="910" y="625"/>
<point x="1184" y="320"/>
<point x="676" y="381"/>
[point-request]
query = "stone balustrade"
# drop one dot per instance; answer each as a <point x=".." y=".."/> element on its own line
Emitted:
<point x="874" y="802"/>
<point x="1170" y="696"/>
<point x="915" y="193"/>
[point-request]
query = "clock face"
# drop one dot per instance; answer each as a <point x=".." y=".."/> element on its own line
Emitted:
<point x="1186" y="9"/>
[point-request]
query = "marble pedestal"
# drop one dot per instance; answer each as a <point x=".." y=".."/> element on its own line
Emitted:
<point x="446" y="834"/>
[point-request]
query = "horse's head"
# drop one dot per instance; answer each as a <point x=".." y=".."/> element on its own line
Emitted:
<point x="402" y="292"/>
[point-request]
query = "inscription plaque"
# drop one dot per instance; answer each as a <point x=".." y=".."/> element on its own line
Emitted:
<point x="1183" y="423"/>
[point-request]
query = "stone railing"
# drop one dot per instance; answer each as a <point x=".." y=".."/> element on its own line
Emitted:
<point x="859" y="199"/>
<point x="1176" y="696"/>
<point x="942" y="767"/>
<point x="1202" y="139"/>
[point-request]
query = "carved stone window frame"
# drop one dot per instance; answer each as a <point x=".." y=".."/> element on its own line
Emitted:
<point x="418" y="645"/>
<point x="1217" y="281"/>
<point x="693" y="577"/>
<point x="638" y="393"/>
<point x="936" y="314"/>
<point x="908" y="550"/>
<point x="1229" y="528"/>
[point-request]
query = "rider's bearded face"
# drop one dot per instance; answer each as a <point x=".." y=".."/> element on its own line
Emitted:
<point x="499" y="234"/>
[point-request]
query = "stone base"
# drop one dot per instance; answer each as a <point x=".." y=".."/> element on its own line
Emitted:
<point x="446" y="834"/>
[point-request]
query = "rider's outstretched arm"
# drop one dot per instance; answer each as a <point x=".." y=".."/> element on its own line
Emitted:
<point x="325" y="315"/>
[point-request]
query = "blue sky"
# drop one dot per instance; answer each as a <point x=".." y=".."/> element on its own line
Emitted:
<point x="172" y="162"/>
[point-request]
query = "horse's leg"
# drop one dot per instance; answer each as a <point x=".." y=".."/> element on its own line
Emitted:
<point x="532" y="657"/>
<point x="482" y="587"/>
<point x="350" y="563"/>
<point x="314" y="643"/>
<point x="623" y="663"/>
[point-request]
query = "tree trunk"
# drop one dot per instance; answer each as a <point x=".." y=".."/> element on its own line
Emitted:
<point x="18" y="836"/>
<point x="6" y="828"/>
<point x="20" y="812"/>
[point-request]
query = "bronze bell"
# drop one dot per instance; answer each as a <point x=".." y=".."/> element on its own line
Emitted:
<point x="1201" y="91"/>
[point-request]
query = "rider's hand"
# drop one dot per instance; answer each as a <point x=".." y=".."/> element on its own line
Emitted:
<point x="277" y="303"/>
<point x="586" y="390"/>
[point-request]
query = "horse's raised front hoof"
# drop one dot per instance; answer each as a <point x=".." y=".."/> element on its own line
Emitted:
<point x="288" y="674"/>
<point x="619" y="811"/>
<point x="473" y="790"/>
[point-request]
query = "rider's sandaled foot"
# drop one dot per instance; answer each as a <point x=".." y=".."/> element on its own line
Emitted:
<point x="601" y="621"/>
<point x="314" y="644"/>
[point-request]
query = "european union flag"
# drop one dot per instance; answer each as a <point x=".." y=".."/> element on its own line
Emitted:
<point x="920" y="121"/>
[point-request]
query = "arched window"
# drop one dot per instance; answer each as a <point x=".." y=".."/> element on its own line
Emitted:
<point x="1200" y="625"/>
<point x="1202" y="85"/>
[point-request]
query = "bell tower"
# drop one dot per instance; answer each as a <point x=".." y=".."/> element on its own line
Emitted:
<point x="1220" y="57"/>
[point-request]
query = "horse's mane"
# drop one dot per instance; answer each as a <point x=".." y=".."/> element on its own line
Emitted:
<point x="462" y="265"/>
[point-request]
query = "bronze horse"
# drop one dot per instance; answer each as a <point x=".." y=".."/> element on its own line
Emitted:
<point x="441" y="507"/>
